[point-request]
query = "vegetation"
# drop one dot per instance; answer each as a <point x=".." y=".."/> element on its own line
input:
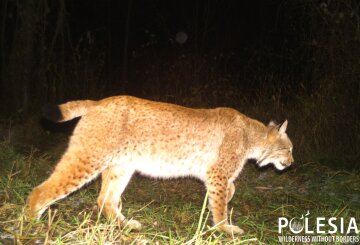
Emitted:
<point x="171" y="211"/>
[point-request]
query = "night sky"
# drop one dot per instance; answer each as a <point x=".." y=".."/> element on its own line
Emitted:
<point x="242" y="28"/>
<point x="246" y="22"/>
<point x="123" y="39"/>
<point x="219" y="23"/>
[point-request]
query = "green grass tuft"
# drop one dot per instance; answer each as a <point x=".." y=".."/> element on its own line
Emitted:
<point x="171" y="211"/>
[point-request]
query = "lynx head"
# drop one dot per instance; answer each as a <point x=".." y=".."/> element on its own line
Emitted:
<point x="277" y="149"/>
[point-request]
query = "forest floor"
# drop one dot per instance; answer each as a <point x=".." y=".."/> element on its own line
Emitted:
<point x="174" y="211"/>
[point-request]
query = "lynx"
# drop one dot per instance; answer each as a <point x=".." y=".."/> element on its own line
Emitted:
<point x="121" y="135"/>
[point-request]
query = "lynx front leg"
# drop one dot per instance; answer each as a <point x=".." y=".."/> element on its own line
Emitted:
<point x="114" y="181"/>
<point x="220" y="192"/>
<point x="230" y="192"/>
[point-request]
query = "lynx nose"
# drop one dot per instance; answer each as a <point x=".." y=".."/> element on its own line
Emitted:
<point x="289" y="161"/>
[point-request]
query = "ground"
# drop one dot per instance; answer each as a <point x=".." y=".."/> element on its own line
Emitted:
<point x="171" y="211"/>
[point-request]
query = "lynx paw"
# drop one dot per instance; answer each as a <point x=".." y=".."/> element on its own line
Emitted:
<point x="31" y="214"/>
<point x="132" y="224"/>
<point x="231" y="229"/>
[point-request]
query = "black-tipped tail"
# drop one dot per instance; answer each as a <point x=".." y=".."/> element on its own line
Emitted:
<point x="52" y="113"/>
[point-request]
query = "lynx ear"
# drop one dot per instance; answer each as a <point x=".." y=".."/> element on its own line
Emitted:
<point x="272" y="124"/>
<point x="282" y="128"/>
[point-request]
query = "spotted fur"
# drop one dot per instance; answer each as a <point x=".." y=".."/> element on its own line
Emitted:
<point x="119" y="136"/>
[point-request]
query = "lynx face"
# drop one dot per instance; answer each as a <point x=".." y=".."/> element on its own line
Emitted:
<point x="279" y="149"/>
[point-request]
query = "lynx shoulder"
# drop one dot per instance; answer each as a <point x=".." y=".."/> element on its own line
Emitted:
<point x="119" y="136"/>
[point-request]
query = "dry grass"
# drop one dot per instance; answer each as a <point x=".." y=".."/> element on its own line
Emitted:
<point x="171" y="211"/>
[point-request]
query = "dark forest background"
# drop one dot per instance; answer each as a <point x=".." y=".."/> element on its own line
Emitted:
<point x="297" y="60"/>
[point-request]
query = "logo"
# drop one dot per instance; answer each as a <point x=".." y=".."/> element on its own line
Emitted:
<point x="318" y="229"/>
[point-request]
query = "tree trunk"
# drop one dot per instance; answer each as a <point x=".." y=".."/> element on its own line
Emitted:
<point x="21" y="65"/>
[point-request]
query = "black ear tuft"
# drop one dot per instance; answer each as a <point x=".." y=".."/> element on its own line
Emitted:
<point x="52" y="113"/>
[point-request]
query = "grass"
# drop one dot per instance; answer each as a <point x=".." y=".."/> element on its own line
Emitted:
<point x="171" y="211"/>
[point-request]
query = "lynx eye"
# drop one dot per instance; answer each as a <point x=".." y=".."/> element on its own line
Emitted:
<point x="284" y="149"/>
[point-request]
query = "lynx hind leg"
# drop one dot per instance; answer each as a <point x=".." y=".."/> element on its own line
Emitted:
<point x="114" y="181"/>
<point x="71" y="173"/>
<point x="219" y="193"/>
